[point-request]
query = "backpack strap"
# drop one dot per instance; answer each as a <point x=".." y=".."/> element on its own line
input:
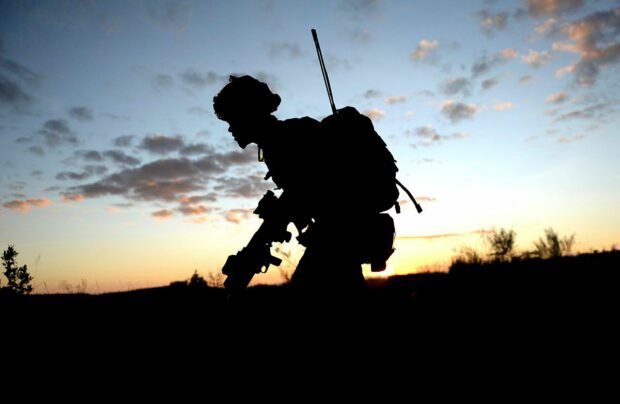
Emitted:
<point x="417" y="205"/>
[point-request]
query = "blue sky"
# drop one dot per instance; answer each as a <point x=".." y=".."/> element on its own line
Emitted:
<point x="115" y="169"/>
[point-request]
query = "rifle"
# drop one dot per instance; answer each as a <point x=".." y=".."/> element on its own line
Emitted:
<point x="240" y="268"/>
<point x="335" y="111"/>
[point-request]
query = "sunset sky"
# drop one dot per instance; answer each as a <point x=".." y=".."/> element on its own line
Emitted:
<point x="115" y="170"/>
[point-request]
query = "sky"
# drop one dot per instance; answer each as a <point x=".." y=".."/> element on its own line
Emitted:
<point x="116" y="174"/>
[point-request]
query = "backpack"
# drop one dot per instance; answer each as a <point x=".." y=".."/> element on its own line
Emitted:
<point x="368" y="169"/>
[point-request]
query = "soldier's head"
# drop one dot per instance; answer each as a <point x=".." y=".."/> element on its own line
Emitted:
<point x="245" y="103"/>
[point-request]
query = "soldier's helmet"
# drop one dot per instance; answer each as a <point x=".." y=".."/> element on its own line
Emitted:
<point x="243" y="97"/>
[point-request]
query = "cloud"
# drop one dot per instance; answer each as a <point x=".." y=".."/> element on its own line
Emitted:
<point x="20" y="205"/>
<point x="362" y="9"/>
<point x="238" y="215"/>
<point x="81" y="113"/>
<point x="162" y="214"/>
<point x="169" y="179"/>
<point x="536" y="59"/>
<point x="372" y="93"/>
<point x="545" y="8"/>
<point x="195" y="149"/>
<point x="163" y="81"/>
<point x="89" y="171"/>
<point x="36" y="150"/>
<point x="457" y="111"/>
<point x="395" y="99"/>
<point x="595" y="39"/>
<point x="502" y="106"/>
<point x="430" y="136"/>
<point x="194" y="210"/>
<point x="199" y="80"/>
<point x="19" y="71"/>
<point x="547" y="27"/>
<point x="596" y="111"/>
<point x="12" y="95"/>
<point x="194" y="199"/>
<point x="485" y="63"/>
<point x="557" y="98"/>
<point x="361" y="35"/>
<point x="285" y="49"/>
<point x="161" y="144"/>
<point x="486" y="84"/>
<point x="375" y="114"/>
<point x="443" y="235"/>
<point x="56" y="132"/>
<point x="425" y="50"/>
<point x="123" y="141"/>
<point x="242" y="187"/>
<point x="172" y="15"/>
<point x="570" y="138"/>
<point x="72" y="198"/>
<point x="89" y="155"/>
<point x="456" y="85"/>
<point x="526" y="79"/>
<point x="119" y="157"/>
<point x="490" y="22"/>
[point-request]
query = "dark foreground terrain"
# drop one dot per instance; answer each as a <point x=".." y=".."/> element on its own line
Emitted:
<point x="525" y="299"/>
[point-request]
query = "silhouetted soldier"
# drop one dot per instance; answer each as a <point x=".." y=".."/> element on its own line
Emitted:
<point x="330" y="190"/>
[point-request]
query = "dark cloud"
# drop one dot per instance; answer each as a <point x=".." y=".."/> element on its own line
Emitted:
<point x="161" y="144"/>
<point x="81" y="113"/>
<point x="173" y="15"/>
<point x="196" y="79"/>
<point x="36" y="173"/>
<point x="167" y="179"/>
<point x="12" y="95"/>
<point x="19" y="71"/>
<point x="57" y="132"/>
<point x="456" y="85"/>
<point x="36" y="150"/>
<point x="89" y="155"/>
<point x="242" y="187"/>
<point x="163" y="81"/>
<point x="486" y="84"/>
<point x="123" y="141"/>
<point x="458" y="111"/>
<point x="546" y="8"/>
<point x="119" y="157"/>
<point x="195" y="149"/>
<point x="23" y="140"/>
<point x="89" y="171"/>
<point x="285" y="49"/>
<point x="491" y="22"/>
<point x="594" y="39"/>
<point x="525" y="79"/>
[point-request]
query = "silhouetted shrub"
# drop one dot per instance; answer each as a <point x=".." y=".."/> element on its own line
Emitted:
<point x="552" y="246"/>
<point x="502" y="243"/>
<point x="18" y="277"/>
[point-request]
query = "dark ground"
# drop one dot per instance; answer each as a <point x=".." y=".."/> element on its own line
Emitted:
<point x="568" y="301"/>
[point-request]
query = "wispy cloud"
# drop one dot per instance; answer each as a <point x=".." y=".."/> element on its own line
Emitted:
<point x="430" y="136"/>
<point x="198" y="80"/>
<point x="545" y="8"/>
<point x="238" y="215"/>
<point x="56" y="132"/>
<point x="285" y="49"/>
<point x="455" y="85"/>
<point x="162" y="214"/>
<point x="536" y="59"/>
<point x="491" y="22"/>
<point x="172" y="15"/>
<point x="395" y="99"/>
<point x="375" y="114"/>
<point x="570" y="138"/>
<point x="424" y="50"/>
<point x="123" y="141"/>
<point x="443" y="235"/>
<point x="557" y="98"/>
<point x="23" y="206"/>
<point x="502" y="106"/>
